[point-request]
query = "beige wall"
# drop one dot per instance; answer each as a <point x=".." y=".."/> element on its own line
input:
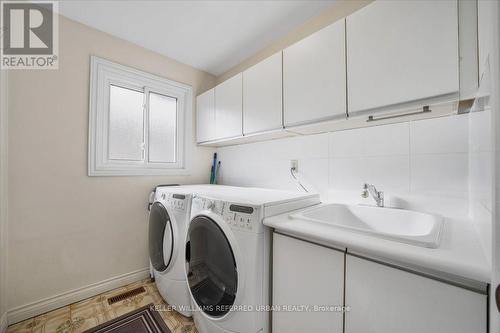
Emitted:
<point x="337" y="11"/>
<point x="68" y="230"/>
<point x="3" y="197"/>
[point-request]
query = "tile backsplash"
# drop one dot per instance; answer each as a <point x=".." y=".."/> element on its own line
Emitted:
<point x="441" y="165"/>
<point x="481" y="175"/>
<point x="428" y="157"/>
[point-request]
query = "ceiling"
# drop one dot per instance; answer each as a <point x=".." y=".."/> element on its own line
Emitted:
<point x="212" y="36"/>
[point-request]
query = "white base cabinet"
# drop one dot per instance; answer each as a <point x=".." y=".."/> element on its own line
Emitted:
<point x="389" y="300"/>
<point x="379" y="298"/>
<point x="306" y="274"/>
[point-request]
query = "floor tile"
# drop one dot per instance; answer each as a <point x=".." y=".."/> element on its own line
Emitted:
<point x="88" y="313"/>
<point x="22" y="327"/>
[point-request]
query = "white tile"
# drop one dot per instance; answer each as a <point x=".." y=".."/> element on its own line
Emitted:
<point x="383" y="140"/>
<point x="305" y="147"/>
<point x="481" y="178"/>
<point x="445" y="174"/>
<point x="439" y="135"/>
<point x="389" y="173"/>
<point x="348" y="143"/>
<point x="273" y="174"/>
<point x="315" y="174"/>
<point x="482" y="218"/>
<point x="347" y="173"/>
<point x="387" y="140"/>
<point x="480" y="130"/>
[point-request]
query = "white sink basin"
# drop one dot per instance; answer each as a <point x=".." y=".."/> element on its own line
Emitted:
<point x="396" y="224"/>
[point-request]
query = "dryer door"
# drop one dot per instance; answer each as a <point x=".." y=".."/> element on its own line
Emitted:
<point x="161" y="241"/>
<point x="211" y="267"/>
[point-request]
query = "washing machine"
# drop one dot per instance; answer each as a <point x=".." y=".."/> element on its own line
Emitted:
<point x="228" y="252"/>
<point x="168" y="218"/>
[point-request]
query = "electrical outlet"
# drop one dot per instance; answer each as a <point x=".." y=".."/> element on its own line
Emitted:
<point x="294" y="164"/>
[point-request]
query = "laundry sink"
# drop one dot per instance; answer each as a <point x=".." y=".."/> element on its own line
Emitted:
<point x="401" y="225"/>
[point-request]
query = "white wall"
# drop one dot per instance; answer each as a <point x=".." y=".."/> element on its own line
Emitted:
<point x="414" y="163"/>
<point x="68" y="230"/>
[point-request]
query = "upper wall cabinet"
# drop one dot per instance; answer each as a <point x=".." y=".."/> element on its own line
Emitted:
<point x="228" y="108"/>
<point x="485" y="12"/>
<point x="314" y="77"/>
<point x="401" y="51"/>
<point x="262" y="87"/>
<point x="205" y="116"/>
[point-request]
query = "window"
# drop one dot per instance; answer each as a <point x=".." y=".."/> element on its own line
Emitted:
<point x="137" y="122"/>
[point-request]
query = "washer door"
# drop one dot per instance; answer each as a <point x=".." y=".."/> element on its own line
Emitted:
<point x="211" y="267"/>
<point x="161" y="241"/>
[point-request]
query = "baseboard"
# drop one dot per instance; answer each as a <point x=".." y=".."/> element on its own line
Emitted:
<point x="3" y="323"/>
<point x="29" y="310"/>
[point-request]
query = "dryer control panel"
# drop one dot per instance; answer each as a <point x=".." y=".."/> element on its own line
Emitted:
<point x="244" y="217"/>
<point x="175" y="201"/>
<point x="237" y="216"/>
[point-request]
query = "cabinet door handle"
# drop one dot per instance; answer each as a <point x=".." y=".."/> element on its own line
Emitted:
<point x="425" y="109"/>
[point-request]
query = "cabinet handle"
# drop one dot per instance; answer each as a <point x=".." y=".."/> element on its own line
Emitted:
<point x="425" y="109"/>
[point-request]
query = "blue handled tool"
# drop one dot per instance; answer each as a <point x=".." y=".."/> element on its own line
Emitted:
<point x="217" y="172"/>
<point x="212" y="171"/>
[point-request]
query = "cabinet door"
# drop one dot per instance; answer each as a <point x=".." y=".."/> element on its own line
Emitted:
<point x="401" y="51"/>
<point x="228" y="108"/>
<point x="306" y="274"/>
<point x="314" y="77"/>
<point x="205" y="116"/>
<point x="485" y="13"/>
<point x="262" y="96"/>
<point x="388" y="300"/>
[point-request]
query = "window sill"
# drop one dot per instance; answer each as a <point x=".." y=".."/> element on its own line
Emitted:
<point x="142" y="172"/>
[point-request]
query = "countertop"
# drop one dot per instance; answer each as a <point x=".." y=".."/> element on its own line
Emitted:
<point x="459" y="257"/>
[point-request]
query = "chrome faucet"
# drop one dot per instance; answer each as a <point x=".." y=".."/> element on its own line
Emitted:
<point x="378" y="196"/>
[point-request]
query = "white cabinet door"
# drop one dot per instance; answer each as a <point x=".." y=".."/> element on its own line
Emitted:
<point x="205" y="116"/>
<point x="228" y="108"/>
<point x="485" y="13"/>
<point x="401" y="51"/>
<point x="306" y="274"/>
<point x="383" y="299"/>
<point x="314" y="77"/>
<point x="262" y="84"/>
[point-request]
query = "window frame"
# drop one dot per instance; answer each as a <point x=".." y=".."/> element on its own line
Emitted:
<point x="103" y="74"/>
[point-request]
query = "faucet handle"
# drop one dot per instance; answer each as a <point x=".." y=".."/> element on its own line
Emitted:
<point x="364" y="193"/>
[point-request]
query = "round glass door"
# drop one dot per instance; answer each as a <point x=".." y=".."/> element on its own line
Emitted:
<point x="161" y="241"/>
<point x="211" y="267"/>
